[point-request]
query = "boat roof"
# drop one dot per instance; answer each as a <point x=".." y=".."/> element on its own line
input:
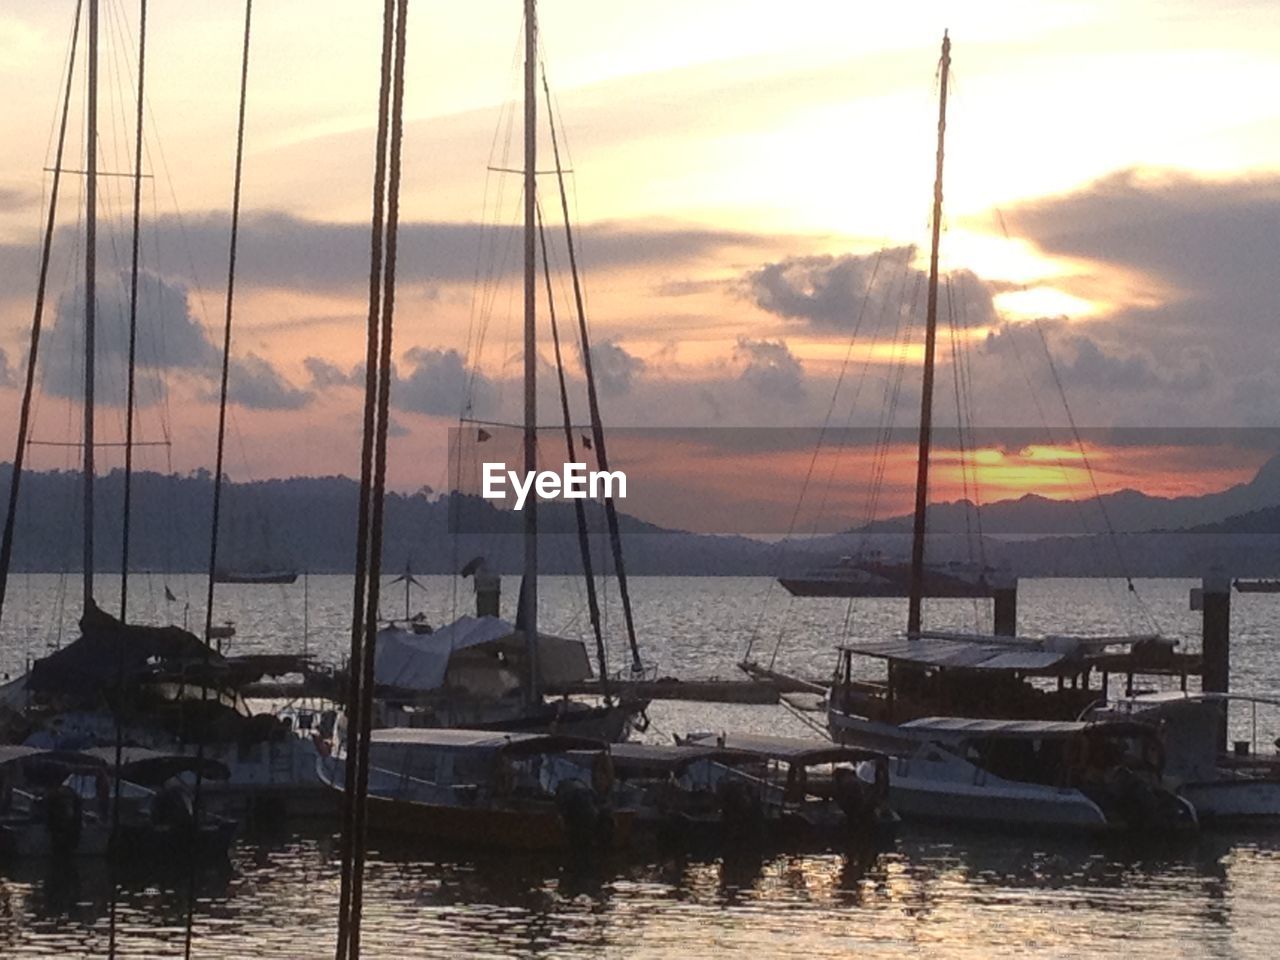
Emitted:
<point x="788" y="749"/>
<point x="971" y="728"/>
<point x="445" y="738"/>
<point x="150" y="768"/>
<point x="961" y="654"/>
<point x="666" y="757"/>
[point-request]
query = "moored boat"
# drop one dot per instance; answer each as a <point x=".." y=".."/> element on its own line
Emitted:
<point x="472" y="673"/>
<point x="170" y="692"/>
<point x="809" y="790"/>
<point x="481" y="788"/>
<point x="1034" y="774"/>
<point x="1241" y="786"/>
<point x="260" y="577"/>
<point x="60" y="803"/>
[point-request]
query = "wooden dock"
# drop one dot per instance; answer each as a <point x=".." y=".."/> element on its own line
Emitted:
<point x="713" y="690"/>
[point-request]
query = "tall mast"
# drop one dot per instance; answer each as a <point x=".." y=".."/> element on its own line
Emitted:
<point x="926" y="388"/>
<point x="529" y="588"/>
<point x="90" y="294"/>
<point x="133" y="315"/>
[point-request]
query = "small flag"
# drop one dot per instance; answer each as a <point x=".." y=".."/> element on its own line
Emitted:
<point x="586" y="441"/>
<point x="168" y="594"/>
<point x="482" y="435"/>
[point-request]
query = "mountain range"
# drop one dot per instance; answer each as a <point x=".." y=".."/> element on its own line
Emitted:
<point x="309" y="523"/>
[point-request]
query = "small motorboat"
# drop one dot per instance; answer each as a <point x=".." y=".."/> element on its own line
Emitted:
<point x="525" y="791"/>
<point x="59" y="803"/>
<point x="1087" y="776"/>
<point x="158" y="813"/>
<point x="805" y="790"/>
<point x="1240" y="786"/>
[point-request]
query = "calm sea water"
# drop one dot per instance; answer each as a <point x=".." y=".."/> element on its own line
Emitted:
<point x="934" y="892"/>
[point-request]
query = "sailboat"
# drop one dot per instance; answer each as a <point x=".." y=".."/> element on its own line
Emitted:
<point x="159" y="687"/>
<point x="485" y="672"/>
<point x="973" y="739"/>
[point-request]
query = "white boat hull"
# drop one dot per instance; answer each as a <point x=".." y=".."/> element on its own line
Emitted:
<point x="934" y="785"/>
<point x="1234" y="799"/>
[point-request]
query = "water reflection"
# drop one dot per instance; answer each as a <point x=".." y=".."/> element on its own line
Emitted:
<point x="979" y="894"/>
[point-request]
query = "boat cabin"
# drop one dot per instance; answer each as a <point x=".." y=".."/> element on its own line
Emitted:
<point x="1049" y="678"/>
<point x="486" y="761"/>
<point x="1049" y="752"/>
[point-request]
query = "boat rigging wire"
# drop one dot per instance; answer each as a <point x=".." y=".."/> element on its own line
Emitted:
<point x="813" y="459"/>
<point x="593" y="399"/>
<point x="33" y="350"/>
<point x="221" y="444"/>
<point x="579" y="507"/>
<point x="128" y="476"/>
<point x="1112" y="535"/>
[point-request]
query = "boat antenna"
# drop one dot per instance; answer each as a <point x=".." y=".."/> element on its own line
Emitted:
<point x="593" y="400"/>
<point x="90" y="297"/>
<point x="33" y="351"/>
<point x="529" y="585"/>
<point x="926" y="387"/>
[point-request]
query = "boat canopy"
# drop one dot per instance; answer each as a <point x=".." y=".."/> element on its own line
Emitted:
<point x="960" y="654"/>
<point x="786" y="749"/>
<point x="966" y="728"/>
<point x="106" y="647"/>
<point x="21" y="754"/>
<point x="478" y="651"/>
<point x="438" y="739"/>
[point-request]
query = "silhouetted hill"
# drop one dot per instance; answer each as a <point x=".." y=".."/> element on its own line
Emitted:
<point x="308" y="523"/>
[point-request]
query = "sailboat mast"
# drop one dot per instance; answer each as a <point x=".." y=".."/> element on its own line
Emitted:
<point x="926" y="387"/>
<point x="90" y="294"/>
<point x="529" y="589"/>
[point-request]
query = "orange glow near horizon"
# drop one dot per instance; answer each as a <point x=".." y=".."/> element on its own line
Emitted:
<point x="710" y="484"/>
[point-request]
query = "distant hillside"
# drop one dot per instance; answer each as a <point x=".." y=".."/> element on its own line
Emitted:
<point x="308" y="523"/>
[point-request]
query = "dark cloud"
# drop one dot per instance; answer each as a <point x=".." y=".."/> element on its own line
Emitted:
<point x="770" y="368"/>
<point x="254" y="383"/>
<point x="1208" y="245"/>
<point x="1198" y="234"/>
<point x="324" y="374"/>
<point x="1203" y="322"/>
<point x="14" y="199"/>
<point x="168" y="338"/>
<point x="438" y="382"/>
<point x="832" y="292"/>
<point x="281" y="251"/>
<point x="8" y="377"/>
<point x="615" y="368"/>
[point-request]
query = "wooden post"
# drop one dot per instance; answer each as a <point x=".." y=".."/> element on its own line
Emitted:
<point x="488" y="593"/>
<point x="1004" y="596"/>
<point x="1216" y="640"/>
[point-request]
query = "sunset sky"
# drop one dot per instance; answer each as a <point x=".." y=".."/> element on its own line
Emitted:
<point x="743" y="174"/>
